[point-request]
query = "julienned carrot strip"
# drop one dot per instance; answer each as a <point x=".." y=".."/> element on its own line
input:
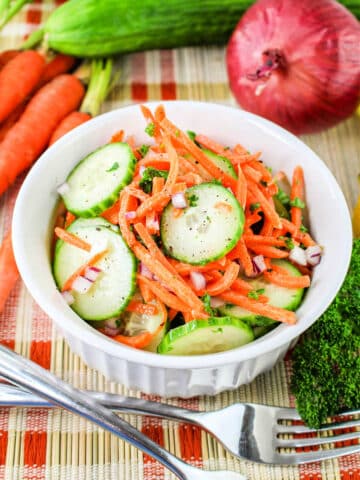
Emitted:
<point x="174" y="164"/>
<point x="239" y="149"/>
<point x="164" y="295"/>
<point x="155" y="203"/>
<point x="225" y="207"/>
<point x="118" y="136"/>
<point x="21" y="147"/>
<point x="73" y="120"/>
<point x="243" y="158"/>
<point x="241" y="187"/>
<point x="301" y="237"/>
<point x="112" y="213"/>
<point x="157" y="184"/>
<point x="135" y="341"/>
<point x="92" y="261"/>
<point x="142" y="308"/>
<point x="245" y="258"/>
<point x="178" y="188"/>
<point x="278" y="269"/>
<point x="151" y="162"/>
<point x="174" y="282"/>
<point x="251" y="173"/>
<point x="146" y="293"/>
<point x="267" y="228"/>
<point x="69" y="219"/>
<point x="297" y="192"/>
<point x="260" y="167"/>
<point x="149" y="117"/>
<point x="210" y="144"/>
<point x="191" y="179"/>
<point x="259" y="308"/>
<point x="72" y="239"/>
<point x="266" y="206"/>
<point x="198" y="154"/>
<point x="8" y="269"/>
<point x="128" y="236"/>
<point x="152" y="219"/>
<point x="268" y="251"/>
<point x="262" y="240"/>
<point x="185" y="268"/>
<point x="187" y="166"/>
<point x="133" y="190"/>
<point x="224" y="283"/>
<point x="287" y="281"/>
<point x="172" y="314"/>
<point x="18" y="78"/>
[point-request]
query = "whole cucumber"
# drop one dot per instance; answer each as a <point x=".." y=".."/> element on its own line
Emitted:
<point x="90" y="28"/>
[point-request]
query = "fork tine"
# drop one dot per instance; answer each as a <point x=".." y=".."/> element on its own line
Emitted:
<point x="283" y="413"/>
<point x="307" y="457"/>
<point x="309" y="442"/>
<point x="287" y="429"/>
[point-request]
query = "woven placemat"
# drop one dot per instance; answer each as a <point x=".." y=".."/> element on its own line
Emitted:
<point x="54" y="444"/>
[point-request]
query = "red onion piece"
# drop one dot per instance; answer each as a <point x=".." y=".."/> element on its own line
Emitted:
<point x="298" y="256"/>
<point x="216" y="302"/>
<point x="145" y="271"/>
<point x="67" y="296"/>
<point x="111" y="327"/>
<point x="296" y="63"/>
<point x="91" y="273"/>
<point x="178" y="200"/>
<point x="258" y="264"/>
<point x="313" y="255"/>
<point x="198" y="280"/>
<point x="63" y="188"/>
<point x="81" y="284"/>
<point x="152" y="223"/>
<point x="130" y="215"/>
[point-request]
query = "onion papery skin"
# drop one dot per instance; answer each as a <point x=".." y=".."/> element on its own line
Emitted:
<point x="318" y="84"/>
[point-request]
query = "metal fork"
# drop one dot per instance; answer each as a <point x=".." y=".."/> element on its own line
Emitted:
<point x="250" y="431"/>
<point x="29" y="375"/>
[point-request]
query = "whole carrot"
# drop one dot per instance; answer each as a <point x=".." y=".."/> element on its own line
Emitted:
<point x="73" y="120"/>
<point x="11" y="119"/>
<point x="8" y="269"/>
<point x="18" y="78"/>
<point x="6" y="56"/>
<point x="31" y="134"/>
<point x="58" y="65"/>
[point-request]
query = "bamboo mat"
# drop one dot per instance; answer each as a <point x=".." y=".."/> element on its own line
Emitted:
<point x="41" y="444"/>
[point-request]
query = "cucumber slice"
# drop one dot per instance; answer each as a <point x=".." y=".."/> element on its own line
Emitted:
<point x="95" y="183"/>
<point x="222" y="162"/>
<point x="205" y="231"/>
<point x="200" y="337"/>
<point x="114" y="287"/>
<point x="96" y="222"/>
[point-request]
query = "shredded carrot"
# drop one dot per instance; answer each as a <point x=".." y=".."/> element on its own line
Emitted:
<point x="287" y="281"/>
<point x="125" y="202"/>
<point x="178" y="188"/>
<point x="251" y="173"/>
<point x="164" y="295"/>
<point x="223" y="206"/>
<point x="297" y="193"/>
<point x="266" y="206"/>
<point x="142" y="308"/>
<point x="185" y="268"/>
<point x="241" y="187"/>
<point x="145" y="291"/>
<point x="157" y="184"/>
<point x="172" y="314"/>
<point x="268" y="251"/>
<point x="262" y="240"/>
<point x="224" y="283"/>
<point x="112" y="213"/>
<point x="118" y="136"/>
<point x="245" y="258"/>
<point x="72" y="239"/>
<point x="91" y="262"/>
<point x="69" y="219"/>
<point x="177" y="212"/>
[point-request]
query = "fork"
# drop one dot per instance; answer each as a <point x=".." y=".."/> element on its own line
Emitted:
<point x="249" y="431"/>
<point x="29" y="375"/>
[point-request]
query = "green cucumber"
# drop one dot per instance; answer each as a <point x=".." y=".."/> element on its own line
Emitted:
<point x="223" y="163"/>
<point x="95" y="182"/>
<point x="199" y="337"/>
<point x="113" y="289"/>
<point x="205" y="231"/>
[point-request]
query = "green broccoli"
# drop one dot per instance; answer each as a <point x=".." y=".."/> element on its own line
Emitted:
<point x="326" y="363"/>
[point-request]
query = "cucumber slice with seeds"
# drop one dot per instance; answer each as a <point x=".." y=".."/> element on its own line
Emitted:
<point x="113" y="289"/>
<point x="200" y="337"/>
<point x="207" y="230"/>
<point x="95" y="182"/>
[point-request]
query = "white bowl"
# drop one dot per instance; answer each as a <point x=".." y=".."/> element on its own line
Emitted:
<point x="170" y="375"/>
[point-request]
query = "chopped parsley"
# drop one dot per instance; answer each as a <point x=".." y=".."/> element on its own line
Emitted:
<point x="114" y="167"/>
<point x="303" y="229"/>
<point x="191" y="135"/>
<point x="143" y="150"/>
<point x="289" y="243"/>
<point x="207" y="305"/>
<point x="215" y="181"/>
<point x="254" y="206"/>
<point x="254" y="294"/>
<point x="150" y="129"/>
<point x="283" y="197"/>
<point x="192" y="199"/>
<point x="147" y="178"/>
<point x="297" y="203"/>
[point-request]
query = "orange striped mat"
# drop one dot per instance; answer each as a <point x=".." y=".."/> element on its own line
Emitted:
<point x="41" y="444"/>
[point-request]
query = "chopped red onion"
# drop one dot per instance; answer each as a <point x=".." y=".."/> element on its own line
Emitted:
<point x="110" y="331"/>
<point x="130" y="215"/>
<point x="216" y="302"/>
<point x="178" y="200"/>
<point x="142" y="170"/>
<point x="63" y="188"/>
<point x="298" y="256"/>
<point x="67" y="296"/>
<point x="152" y="223"/>
<point x="313" y="255"/>
<point x="258" y="264"/>
<point x="81" y="284"/>
<point x="198" y="280"/>
<point x="145" y="271"/>
<point x="99" y="246"/>
<point x="91" y="273"/>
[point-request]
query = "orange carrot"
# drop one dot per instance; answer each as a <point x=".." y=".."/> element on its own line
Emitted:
<point x="259" y="308"/>
<point x="8" y="269"/>
<point x="135" y="341"/>
<point x="225" y="207"/>
<point x="287" y="281"/>
<point x="266" y="206"/>
<point x="11" y="119"/>
<point x="70" y="218"/>
<point x="125" y="202"/>
<point x="164" y="295"/>
<point x="251" y="173"/>
<point x="6" y="56"/>
<point x="260" y="167"/>
<point x="18" y="78"/>
<point x="72" y="239"/>
<point x="152" y="221"/>
<point x="297" y="192"/>
<point x="21" y="147"/>
<point x="145" y="291"/>
<point x="73" y="120"/>
<point x="241" y="187"/>
<point x="245" y="258"/>
<point x="112" y="213"/>
<point x="142" y="308"/>
<point x="301" y="237"/>
<point x="81" y="270"/>
<point x="185" y="268"/>
<point x="225" y="282"/>
<point x="57" y="66"/>
<point x="268" y="251"/>
<point x="262" y="240"/>
<point x="118" y="136"/>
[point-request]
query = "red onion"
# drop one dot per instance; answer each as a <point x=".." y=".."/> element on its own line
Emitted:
<point x="69" y="299"/>
<point x="296" y="63"/>
<point x="81" y="284"/>
<point x="91" y="273"/>
<point x="298" y="256"/>
<point x="198" y="280"/>
<point x="130" y="215"/>
<point x="216" y="302"/>
<point x="258" y="264"/>
<point x="152" y="223"/>
<point x="111" y="327"/>
<point x="313" y="255"/>
<point x="63" y="188"/>
<point x="178" y="200"/>
<point x="145" y="271"/>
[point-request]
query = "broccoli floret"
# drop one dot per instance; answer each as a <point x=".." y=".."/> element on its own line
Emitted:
<point x="326" y="363"/>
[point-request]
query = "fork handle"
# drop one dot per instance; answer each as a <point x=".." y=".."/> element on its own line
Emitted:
<point x="27" y="374"/>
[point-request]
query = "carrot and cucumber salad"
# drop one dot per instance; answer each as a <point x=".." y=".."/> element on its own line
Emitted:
<point x="182" y="246"/>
